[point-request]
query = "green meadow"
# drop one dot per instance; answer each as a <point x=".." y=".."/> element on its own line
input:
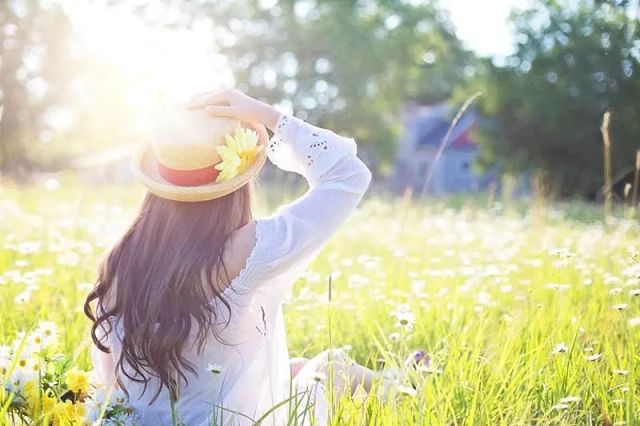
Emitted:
<point x="530" y="311"/>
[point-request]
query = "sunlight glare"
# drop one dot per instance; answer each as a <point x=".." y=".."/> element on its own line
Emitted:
<point x="156" y="64"/>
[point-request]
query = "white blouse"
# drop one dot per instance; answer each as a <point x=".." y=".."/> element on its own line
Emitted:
<point x="254" y="360"/>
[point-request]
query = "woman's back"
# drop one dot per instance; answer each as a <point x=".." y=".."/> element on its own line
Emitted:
<point x="236" y="374"/>
<point x="241" y="370"/>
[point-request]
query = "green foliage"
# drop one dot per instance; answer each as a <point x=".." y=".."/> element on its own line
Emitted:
<point x="347" y="65"/>
<point x="573" y="62"/>
<point x="58" y="100"/>
<point x="350" y="66"/>
<point x="34" y="55"/>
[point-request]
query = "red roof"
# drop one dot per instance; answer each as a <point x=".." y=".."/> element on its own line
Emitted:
<point x="464" y="141"/>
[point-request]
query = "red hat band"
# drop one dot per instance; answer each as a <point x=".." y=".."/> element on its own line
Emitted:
<point x="193" y="177"/>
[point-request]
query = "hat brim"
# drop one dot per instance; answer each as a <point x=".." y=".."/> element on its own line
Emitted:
<point x="145" y="169"/>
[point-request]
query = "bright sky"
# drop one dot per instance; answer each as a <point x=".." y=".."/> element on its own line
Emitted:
<point x="483" y="24"/>
<point x="179" y="62"/>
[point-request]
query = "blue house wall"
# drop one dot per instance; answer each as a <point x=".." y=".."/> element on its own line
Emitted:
<point x="425" y="128"/>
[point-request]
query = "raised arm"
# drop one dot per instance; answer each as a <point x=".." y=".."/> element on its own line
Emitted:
<point x="337" y="178"/>
<point x="290" y="238"/>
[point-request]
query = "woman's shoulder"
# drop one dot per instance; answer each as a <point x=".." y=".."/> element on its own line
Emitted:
<point x="238" y="249"/>
<point x="252" y="252"/>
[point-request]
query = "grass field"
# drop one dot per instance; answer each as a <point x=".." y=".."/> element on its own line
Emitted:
<point x="531" y="313"/>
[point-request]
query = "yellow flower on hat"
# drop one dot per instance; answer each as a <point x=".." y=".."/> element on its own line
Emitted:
<point x="237" y="153"/>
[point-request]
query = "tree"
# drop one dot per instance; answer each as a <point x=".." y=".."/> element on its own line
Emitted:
<point x="33" y="78"/>
<point x="348" y="65"/>
<point x="573" y="63"/>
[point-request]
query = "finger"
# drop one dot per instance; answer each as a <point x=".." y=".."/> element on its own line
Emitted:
<point x="197" y="101"/>
<point x="221" y="111"/>
<point x="204" y="99"/>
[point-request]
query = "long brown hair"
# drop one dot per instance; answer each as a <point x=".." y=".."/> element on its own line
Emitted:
<point x="160" y="280"/>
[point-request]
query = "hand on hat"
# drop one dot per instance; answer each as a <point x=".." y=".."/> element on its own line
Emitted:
<point x="234" y="104"/>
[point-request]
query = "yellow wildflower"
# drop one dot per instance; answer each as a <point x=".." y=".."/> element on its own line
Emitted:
<point x="237" y="154"/>
<point x="40" y="403"/>
<point x="31" y="391"/>
<point x="68" y="414"/>
<point x="77" y="381"/>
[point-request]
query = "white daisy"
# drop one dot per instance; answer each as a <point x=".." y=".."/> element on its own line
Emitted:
<point x="214" y="368"/>
<point x="593" y="357"/>
<point x="405" y="318"/>
<point x="48" y="330"/>
<point x="634" y="322"/>
<point x="570" y="399"/>
<point x="319" y="377"/>
<point x="560" y="348"/>
<point x="407" y="390"/>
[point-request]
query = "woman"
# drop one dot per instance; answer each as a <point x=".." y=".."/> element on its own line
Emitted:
<point x="189" y="302"/>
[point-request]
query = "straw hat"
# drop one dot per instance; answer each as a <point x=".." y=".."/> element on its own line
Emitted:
<point x="179" y="163"/>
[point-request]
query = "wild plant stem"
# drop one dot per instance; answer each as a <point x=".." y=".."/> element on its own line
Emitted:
<point x="445" y="140"/>
<point x="608" y="178"/>
<point x="636" y="182"/>
<point x="330" y="378"/>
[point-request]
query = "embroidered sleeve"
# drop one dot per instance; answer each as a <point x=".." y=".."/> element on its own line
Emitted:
<point x="288" y="240"/>
<point x="306" y="149"/>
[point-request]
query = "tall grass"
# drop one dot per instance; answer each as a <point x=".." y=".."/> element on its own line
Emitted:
<point x="531" y="317"/>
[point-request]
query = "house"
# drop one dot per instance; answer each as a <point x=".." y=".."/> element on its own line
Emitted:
<point x="425" y="127"/>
